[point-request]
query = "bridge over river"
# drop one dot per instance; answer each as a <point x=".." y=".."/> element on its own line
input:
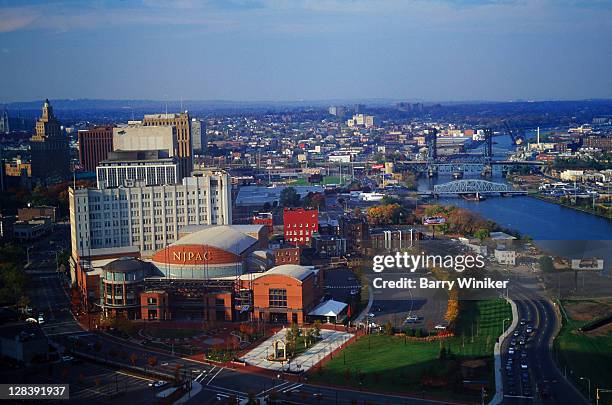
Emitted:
<point x="472" y="186"/>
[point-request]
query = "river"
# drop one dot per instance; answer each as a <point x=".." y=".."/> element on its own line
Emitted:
<point x="560" y="230"/>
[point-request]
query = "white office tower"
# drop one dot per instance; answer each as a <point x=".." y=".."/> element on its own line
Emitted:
<point x="146" y="217"/>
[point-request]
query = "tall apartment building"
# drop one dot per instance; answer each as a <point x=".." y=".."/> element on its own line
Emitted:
<point x="198" y="135"/>
<point x="147" y="217"/>
<point x="94" y="145"/>
<point x="50" y="154"/>
<point x="182" y="124"/>
<point x="128" y="169"/>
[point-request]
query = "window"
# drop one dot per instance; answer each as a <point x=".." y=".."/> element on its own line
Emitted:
<point x="278" y="298"/>
<point x="151" y="301"/>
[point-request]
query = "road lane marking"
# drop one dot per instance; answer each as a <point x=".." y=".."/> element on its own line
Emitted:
<point x="213" y="377"/>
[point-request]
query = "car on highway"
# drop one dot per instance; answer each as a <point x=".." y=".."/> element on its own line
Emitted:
<point x="529" y="329"/>
<point x="41" y="318"/>
<point x="157" y="384"/>
<point x="67" y="358"/>
<point x="516" y="333"/>
<point x="511" y="350"/>
<point x="440" y="327"/>
<point x="412" y="319"/>
<point x="524" y="366"/>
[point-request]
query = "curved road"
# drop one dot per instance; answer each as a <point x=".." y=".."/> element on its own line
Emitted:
<point x="541" y="382"/>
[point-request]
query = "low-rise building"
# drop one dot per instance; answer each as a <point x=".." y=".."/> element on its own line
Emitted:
<point x="507" y="257"/>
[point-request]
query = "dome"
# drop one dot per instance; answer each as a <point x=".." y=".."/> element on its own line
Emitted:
<point x="126" y="265"/>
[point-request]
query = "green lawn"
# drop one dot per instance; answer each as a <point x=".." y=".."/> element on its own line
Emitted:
<point x="585" y="356"/>
<point x="326" y="180"/>
<point x="393" y="363"/>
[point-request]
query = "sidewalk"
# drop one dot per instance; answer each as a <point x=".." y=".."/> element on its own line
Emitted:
<point x="499" y="388"/>
<point x="331" y="341"/>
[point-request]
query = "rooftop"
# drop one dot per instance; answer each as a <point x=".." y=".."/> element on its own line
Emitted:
<point x="291" y="270"/>
<point x="224" y="237"/>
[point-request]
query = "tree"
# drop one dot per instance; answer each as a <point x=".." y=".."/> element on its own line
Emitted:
<point x="384" y="214"/>
<point x="388" y="328"/>
<point x="314" y="200"/>
<point x="481" y="234"/>
<point x="317" y="328"/>
<point x="289" y="197"/>
<point x="152" y="361"/>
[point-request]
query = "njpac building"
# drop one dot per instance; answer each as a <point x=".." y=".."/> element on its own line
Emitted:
<point x="211" y="273"/>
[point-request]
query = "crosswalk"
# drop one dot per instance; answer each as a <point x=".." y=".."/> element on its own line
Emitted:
<point x="283" y="388"/>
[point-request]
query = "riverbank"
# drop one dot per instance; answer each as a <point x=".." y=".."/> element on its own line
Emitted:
<point x="586" y="209"/>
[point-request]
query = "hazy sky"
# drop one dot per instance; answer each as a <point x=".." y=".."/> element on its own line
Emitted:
<point x="306" y="49"/>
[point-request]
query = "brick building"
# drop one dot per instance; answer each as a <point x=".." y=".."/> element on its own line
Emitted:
<point x="299" y="225"/>
<point x="94" y="145"/>
<point x="286" y="294"/>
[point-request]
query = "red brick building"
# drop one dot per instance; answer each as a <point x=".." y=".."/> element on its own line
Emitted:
<point x="94" y="145"/>
<point x="154" y="306"/>
<point x="287" y="255"/>
<point x="299" y="225"/>
<point x="264" y="218"/>
<point x="285" y="294"/>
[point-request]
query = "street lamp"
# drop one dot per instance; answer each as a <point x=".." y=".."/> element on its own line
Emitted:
<point x="503" y="324"/>
<point x="598" y="390"/>
<point x="589" y="381"/>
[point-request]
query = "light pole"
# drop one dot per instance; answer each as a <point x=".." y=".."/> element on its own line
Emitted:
<point x="598" y="390"/>
<point x="503" y="324"/>
<point x="589" y="381"/>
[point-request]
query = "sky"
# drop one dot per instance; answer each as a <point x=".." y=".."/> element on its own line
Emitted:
<point x="288" y="50"/>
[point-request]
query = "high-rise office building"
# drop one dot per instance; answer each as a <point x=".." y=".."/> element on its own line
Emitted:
<point x="94" y="145"/>
<point x="50" y="154"/>
<point x="4" y="122"/>
<point x="198" y="136"/>
<point x="147" y="217"/>
<point x="182" y="124"/>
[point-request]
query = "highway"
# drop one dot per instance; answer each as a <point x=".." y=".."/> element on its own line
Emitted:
<point x="533" y="377"/>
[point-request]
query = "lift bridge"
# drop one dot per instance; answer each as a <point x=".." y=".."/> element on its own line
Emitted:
<point x="474" y="186"/>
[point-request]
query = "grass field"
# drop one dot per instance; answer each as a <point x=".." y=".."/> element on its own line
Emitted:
<point x="326" y="180"/>
<point x="396" y="364"/>
<point x="585" y="354"/>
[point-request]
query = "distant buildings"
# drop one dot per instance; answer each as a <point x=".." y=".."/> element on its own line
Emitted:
<point x="362" y="120"/>
<point x="198" y="136"/>
<point x="50" y="155"/>
<point x="94" y="145"/>
<point x="4" y="122"/>
<point x="338" y="111"/>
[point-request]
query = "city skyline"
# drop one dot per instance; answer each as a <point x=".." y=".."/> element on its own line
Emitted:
<point x="268" y="50"/>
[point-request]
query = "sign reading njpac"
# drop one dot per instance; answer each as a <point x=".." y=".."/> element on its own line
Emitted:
<point x="185" y="257"/>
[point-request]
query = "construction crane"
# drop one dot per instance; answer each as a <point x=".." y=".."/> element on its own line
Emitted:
<point x="517" y="135"/>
